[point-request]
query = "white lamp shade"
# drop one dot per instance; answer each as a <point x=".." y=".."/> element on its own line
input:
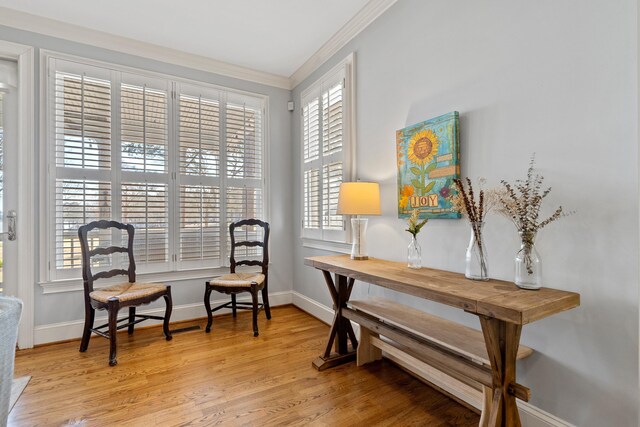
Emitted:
<point x="359" y="198"/>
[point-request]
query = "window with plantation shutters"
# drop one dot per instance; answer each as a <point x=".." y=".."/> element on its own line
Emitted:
<point x="177" y="160"/>
<point x="326" y="152"/>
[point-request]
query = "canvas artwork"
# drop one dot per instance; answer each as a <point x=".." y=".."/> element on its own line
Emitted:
<point x="428" y="162"/>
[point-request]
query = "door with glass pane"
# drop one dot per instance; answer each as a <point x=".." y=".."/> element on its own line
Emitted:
<point x="8" y="176"/>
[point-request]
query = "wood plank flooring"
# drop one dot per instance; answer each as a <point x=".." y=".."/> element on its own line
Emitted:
<point x="223" y="378"/>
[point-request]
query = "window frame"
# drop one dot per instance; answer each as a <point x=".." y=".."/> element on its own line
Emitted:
<point x="60" y="280"/>
<point x="334" y="240"/>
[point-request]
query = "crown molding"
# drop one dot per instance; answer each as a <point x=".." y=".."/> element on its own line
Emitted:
<point x="50" y="27"/>
<point x="359" y="22"/>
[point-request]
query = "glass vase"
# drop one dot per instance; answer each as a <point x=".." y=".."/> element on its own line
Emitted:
<point x="414" y="254"/>
<point x="528" y="263"/>
<point x="476" y="257"/>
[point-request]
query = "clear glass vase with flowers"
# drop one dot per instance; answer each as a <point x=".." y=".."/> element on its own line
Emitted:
<point x="414" y="251"/>
<point x="475" y="210"/>
<point x="521" y="203"/>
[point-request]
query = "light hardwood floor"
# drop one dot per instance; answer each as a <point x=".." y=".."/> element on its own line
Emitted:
<point x="226" y="377"/>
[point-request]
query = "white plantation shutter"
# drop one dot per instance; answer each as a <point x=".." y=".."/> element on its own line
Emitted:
<point x="332" y="119"/>
<point x="199" y="223"/>
<point x="332" y="173"/>
<point x="326" y="153"/>
<point x="178" y="161"/>
<point x="244" y="142"/>
<point x="312" y="164"/>
<point x="144" y="133"/>
<point x="199" y="136"/>
<point x="199" y="203"/>
<point x="80" y="188"/>
<point x="82" y="121"/>
<point x="311" y="199"/>
<point x="244" y="172"/>
<point x="245" y="203"/>
<point x="144" y="128"/>
<point x="78" y="202"/>
<point x="332" y="164"/>
<point x="331" y="180"/>
<point x="144" y="205"/>
<point x="244" y="175"/>
<point x="311" y="130"/>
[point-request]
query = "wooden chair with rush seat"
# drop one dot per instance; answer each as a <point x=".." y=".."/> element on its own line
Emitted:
<point x="236" y="282"/>
<point x="114" y="297"/>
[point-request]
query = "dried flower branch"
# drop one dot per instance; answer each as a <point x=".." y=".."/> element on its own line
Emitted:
<point x="521" y="203"/>
<point x="415" y="225"/>
<point x="464" y="201"/>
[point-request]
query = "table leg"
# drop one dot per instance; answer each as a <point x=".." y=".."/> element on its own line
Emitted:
<point x="502" y="340"/>
<point x="341" y="330"/>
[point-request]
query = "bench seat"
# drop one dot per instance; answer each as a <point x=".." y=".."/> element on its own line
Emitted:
<point x="467" y="342"/>
<point x="446" y="354"/>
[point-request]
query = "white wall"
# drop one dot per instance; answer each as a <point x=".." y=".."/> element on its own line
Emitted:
<point x="65" y="309"/>
<point x="554" y="77"/>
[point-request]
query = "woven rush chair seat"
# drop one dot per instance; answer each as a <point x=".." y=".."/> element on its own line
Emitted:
<point x="238" y="280"/>
<point x="245" y="235"/>
<point x="128" y="291"/>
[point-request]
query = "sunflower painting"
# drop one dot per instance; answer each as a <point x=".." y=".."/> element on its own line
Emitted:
<point x="428" y="162"/>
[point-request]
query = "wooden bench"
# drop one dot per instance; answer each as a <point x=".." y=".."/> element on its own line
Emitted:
<point x="451" y="356"/>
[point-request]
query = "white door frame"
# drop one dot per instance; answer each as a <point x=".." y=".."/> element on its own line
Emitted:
<point x="24" y="55"/>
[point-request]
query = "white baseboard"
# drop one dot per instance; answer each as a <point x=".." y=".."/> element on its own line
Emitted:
<point x="314" y="308"/>
<point x="531" y="416"/>
<point x="73" y="329"/>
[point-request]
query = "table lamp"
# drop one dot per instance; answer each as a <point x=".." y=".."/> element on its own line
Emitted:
<point x="359" y="198"/>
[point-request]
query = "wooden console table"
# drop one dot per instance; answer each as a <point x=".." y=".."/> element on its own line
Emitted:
<point x="502" y="308"/>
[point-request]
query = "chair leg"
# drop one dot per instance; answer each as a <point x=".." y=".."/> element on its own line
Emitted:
<point x="233" y="305"/>
<point x="265" y="301"/>
<point x="207" y="305"/>
<point x="132" y="318"/>
<point x="89" y="316"/>
<point x="167" y="314"/>
<point x="254" y="298"/>
<point x="112" y="308"/>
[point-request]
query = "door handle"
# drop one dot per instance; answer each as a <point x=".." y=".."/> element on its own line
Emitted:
<point x="11" y="226"/>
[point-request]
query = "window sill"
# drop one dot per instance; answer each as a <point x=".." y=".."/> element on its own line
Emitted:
<point x="326" y="245"/>
<point x="74" y="285"/>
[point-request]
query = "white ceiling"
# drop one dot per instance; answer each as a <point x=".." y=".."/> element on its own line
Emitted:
<point x="275" y="36"/>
